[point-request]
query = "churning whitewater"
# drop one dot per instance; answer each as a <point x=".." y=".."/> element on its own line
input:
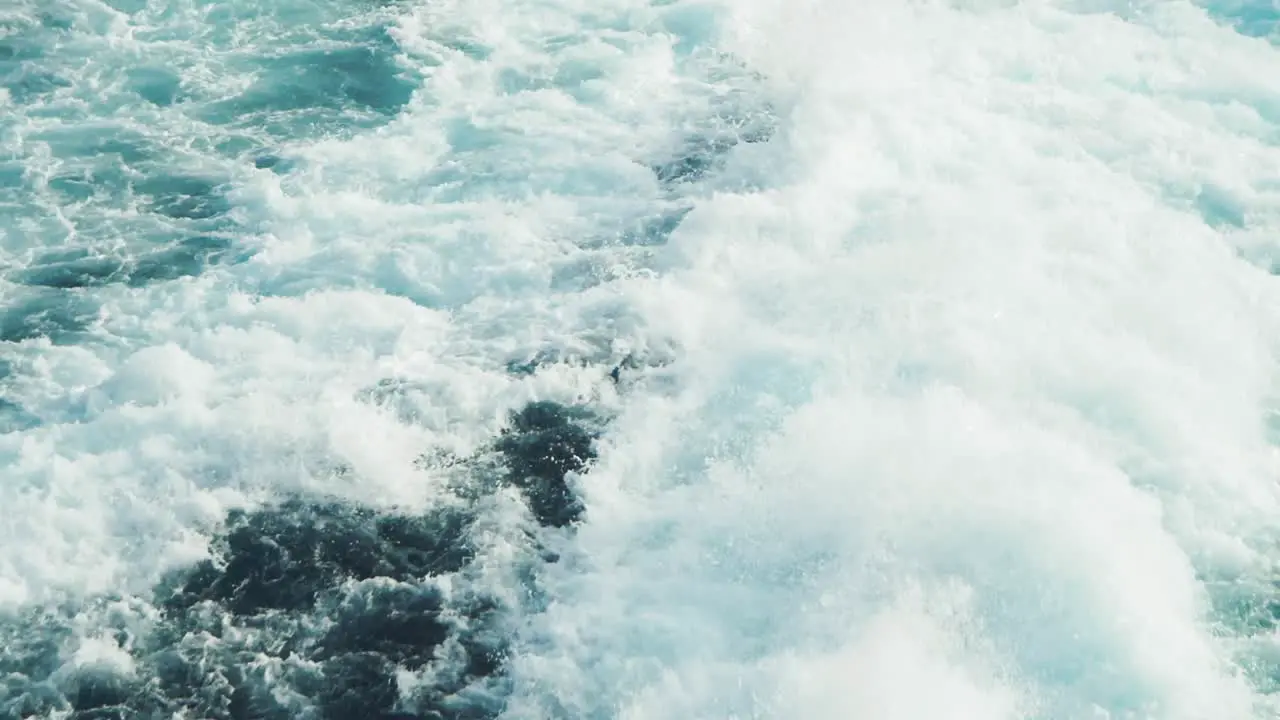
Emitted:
<point x="639" y="359"/>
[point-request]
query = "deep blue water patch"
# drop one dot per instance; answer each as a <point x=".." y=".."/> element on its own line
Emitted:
<point x="144" y="218"/>
<point x="83" y="268"/>
<point x="1245" y="611"/>
<point x="281" y="558"/>
<point x="274" y="162"/>
<point x="184" y="197"/>
<point x="14" y="418"/>
<point x="76" y="187"/>
<point x="1255" y="18"/>
<point x="60" y="316"/>
<point x="311" y="607"/>
<point x="622" y="372"/>
<point x="183" y="258"/>
<point x="128" y="7"/>
<point x="159" y="86"/>
<point x="27" y="83"/>
<point x="546" y="443"/>
<point x="103" y="141"/>
<point x="23" y="44"/>
<point x="694" y="161"/>
<point x="701" y="154"/>
<point x="655" y="230"/>
<point x="1245" y="608"/>
<point x="1219" y="207"/>
<point x="19" y="45"/>
<point x="354" y="81"/>
<point x="362" y="75"/>
<point x="71" y="269"/>
<point x="11" y="175"/>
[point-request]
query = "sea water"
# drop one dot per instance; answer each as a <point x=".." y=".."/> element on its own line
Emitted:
<point x="593" y="359"/>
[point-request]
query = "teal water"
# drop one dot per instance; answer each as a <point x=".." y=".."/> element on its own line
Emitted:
<point x="623" y="359"/>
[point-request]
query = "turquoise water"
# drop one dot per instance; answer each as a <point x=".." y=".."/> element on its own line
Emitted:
<point x="616" y="359"/>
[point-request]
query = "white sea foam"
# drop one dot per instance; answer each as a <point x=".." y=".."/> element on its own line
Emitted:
<point x="993" y="303"/>
<point x="972" y="361"/>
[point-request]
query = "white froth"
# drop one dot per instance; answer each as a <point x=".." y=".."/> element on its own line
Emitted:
<point x="972" y="359"/>
<point x="1038" y="370"/>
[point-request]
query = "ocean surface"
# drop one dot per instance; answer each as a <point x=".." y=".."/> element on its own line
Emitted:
<point x="640" y="360"/>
